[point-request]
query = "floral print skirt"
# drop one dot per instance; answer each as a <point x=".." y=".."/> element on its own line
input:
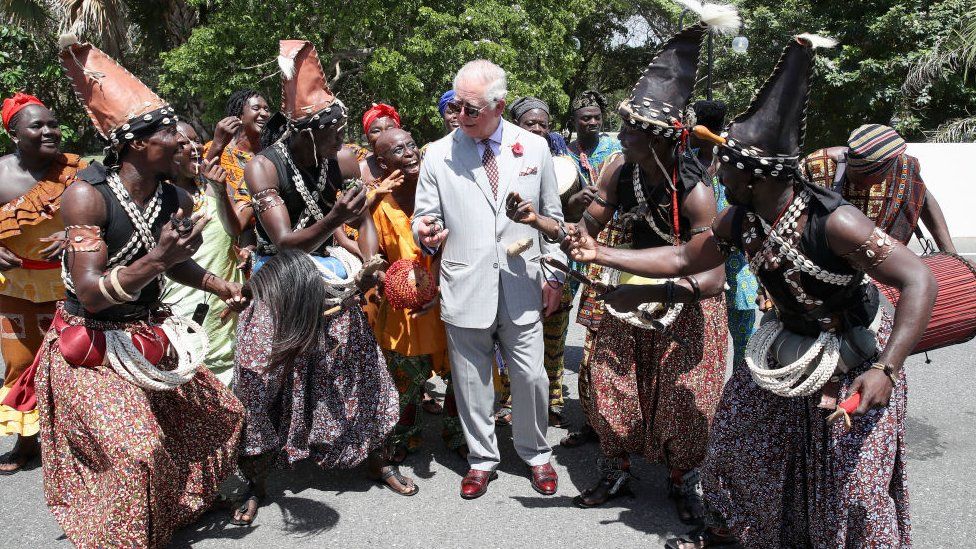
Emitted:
<point x="334" y="404"/>
<point x="781" y="476"/>
<point x="123" y="466"/>
<point x="655" y="394"/>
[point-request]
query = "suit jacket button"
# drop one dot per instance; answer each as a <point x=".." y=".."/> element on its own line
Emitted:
<point x="495" y="265"/>
<point x="498" y="239"/>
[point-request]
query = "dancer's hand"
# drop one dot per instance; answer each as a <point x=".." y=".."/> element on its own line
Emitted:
<point x="431" y="233"/>
<point x="53" y="251"/>
<point x="231" y="295"/>
<point x="224" y="133"/>
<point x="8" y="260"/>
<point x="580" y="246"/>
<point x="875" y="388"/>
<point x="626" y="298"/>
<point x="350" y="205"/>
<point x="180" y="240"/>
<point x="582" y="199"/>
<point x="391" y="182"/>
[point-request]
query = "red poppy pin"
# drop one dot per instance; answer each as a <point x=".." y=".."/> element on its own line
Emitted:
<point x="517" y="149"/>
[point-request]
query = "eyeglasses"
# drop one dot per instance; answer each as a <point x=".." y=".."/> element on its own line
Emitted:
<point x="469" y="110"/>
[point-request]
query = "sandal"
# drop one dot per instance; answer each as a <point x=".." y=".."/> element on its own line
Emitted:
<point x="703" y="538"/>
<point x="579" y="438"/>
<point x="393" y="471"/>
<point x="252" y="494"/>
<point x="503" y="416"/>
<point x="556" y="418"/>
<point x="615" y="483"/>
<point x="431" y="406"/>
<point x="687" y="498"/>
<point x="19" y="460"/>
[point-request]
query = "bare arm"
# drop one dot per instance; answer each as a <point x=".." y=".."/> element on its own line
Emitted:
<point x="260" y="175"/>
<point x="601" y="210"/>
<point x="936" y="224"/>
<point x="81" y="206"/>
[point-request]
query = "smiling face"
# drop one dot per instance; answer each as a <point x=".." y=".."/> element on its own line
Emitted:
<point x="255" y="115"/>
<point x="588" y="121"/>
<point x="188" y="159"/>
<point x="451" y="113"/>
<point x="536" y="121"/>
<point x="37" y="132"/>
<point x="377" y="127"/>
<point x="471" y="95"/>
<point x="161" y="152"/>
<point x="396" y="150"/>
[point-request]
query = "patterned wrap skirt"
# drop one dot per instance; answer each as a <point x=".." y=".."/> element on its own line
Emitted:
<point x="655" y="394"/>
<point x="781" y="476"/>
<point x="334" y="404"/>
<point x="123" y="466"/>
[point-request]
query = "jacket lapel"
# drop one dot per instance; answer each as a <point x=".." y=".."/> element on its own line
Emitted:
<point x="471" y="161"/>
<point x="507" y="162"/>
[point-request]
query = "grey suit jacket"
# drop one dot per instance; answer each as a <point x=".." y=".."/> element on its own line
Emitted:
<point x="454" y="189"/>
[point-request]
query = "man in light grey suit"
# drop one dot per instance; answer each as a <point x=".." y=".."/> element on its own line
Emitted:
<point x="488" y="295"/>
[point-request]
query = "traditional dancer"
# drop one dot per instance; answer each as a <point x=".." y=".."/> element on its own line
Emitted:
<point x="777" y="470"/>
<point x="654" y="391"/>
<point x="136" y="433"/>
<point x="31" y="241"/>
<point x="307" y="368"/>
<point x="874" y="173"/>
<point x="413" y="339"/>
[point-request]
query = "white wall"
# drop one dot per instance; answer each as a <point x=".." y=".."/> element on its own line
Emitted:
<point x="949" y="172"/>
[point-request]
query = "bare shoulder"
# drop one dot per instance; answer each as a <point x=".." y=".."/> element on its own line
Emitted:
<point x="847" y="228"/>
<point x="260" y="174"/>
<point x="82" y="204"/>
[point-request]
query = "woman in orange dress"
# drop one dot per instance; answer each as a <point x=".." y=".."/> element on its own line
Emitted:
<point x="32" y="180"/>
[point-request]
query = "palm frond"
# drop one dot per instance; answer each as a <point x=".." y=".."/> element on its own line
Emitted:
<point x="104" y="21"/>
<point x="30" y="14"/>
<point x="960" y="130"/>
<point x="954" y="52"/>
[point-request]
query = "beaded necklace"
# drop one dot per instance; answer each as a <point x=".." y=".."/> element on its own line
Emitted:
<point x="312" y="209"/>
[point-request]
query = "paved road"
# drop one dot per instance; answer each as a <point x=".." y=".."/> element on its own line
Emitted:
<point x="309" y="506"/>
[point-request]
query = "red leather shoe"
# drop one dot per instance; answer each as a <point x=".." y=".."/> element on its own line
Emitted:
<point x="544" y="479"/>
<point x="475" y="483"/>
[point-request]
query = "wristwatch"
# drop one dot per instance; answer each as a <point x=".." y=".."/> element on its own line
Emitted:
<point x="888" y="371"/>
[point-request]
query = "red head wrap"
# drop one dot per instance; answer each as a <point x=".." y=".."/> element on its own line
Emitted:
<point x="13" y="105"/>
<point x="377" y="111"/>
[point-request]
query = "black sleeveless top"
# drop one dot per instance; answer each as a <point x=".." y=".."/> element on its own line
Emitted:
<point x="846" y="306"/>
<point x="293" y="200"/>
<point x="690" y="173"/>
<point x="116" y="232"/>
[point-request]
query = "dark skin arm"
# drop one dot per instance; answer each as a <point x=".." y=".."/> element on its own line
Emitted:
<point x="847" y="229"/>
<point x="935" y="222"/>
<point x="83" y="205"/>
<point x="260" y="174"/>
<point x="234" y="219"/>
<point x="699" y="208"/>
<point x="606" y="188"/>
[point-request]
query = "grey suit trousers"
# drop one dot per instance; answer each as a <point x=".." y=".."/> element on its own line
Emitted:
<point x="472" y="354"/>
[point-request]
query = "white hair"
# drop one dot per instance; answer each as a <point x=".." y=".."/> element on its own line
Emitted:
<point x="485" y="72"/>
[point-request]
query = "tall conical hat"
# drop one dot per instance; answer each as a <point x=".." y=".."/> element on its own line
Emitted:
<point x="305" y="93"/>
<point x="767" y="137"/>
<point x="119" y="104"/>
<point x="659" y="98"/>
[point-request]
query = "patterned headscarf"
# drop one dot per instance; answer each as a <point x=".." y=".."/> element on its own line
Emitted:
<point x="377" y="111"/>
<point x="526" y="104"/>
<point x="589" y="98"/>
<point x="446" y="98"/>
<point x="874" y="148"/>
<point x="15" y="104"/>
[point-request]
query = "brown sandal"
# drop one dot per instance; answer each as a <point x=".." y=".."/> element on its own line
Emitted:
<point x="579" y="438"/>
<point x="703" y="538"/>
<point x="393" y="471"/>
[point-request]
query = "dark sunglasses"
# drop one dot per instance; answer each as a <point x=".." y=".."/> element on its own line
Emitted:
<point x="470" y="111"/>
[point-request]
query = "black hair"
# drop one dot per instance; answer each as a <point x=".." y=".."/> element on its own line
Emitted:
<point x="237" y="100"/>
<point x="290" y="287"/>
<point x="710" y="114"/>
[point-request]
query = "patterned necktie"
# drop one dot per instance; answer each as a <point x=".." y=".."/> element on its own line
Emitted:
<point x="491" y="167"/>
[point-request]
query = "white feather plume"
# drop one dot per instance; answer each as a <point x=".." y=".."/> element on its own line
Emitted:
<point x="721" y="18"/>
<point x="67" y="39"/>
<point x="817" y="41"/>
<point x="287" y="66"/>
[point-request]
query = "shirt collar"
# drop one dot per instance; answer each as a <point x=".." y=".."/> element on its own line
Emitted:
<point x="496" y="137"/>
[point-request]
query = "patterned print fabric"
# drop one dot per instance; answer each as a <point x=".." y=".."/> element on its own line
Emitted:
<point x="591" y="164"/>
<point x="22" y="328"/>
<point x="655" y="394"/>
<point x="782" y="477"/>
<point x="410" y="373"/>
<point x="894" y="205"/>
<point x="233" y="160"/>
<point x="126" y="467"/>
<point x="334" y="404"/>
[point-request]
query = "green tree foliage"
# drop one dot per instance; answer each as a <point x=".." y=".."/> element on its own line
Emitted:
<point x="404" y="53"/>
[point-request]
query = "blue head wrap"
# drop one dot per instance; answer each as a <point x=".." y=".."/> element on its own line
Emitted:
<point x="444" y="100"/>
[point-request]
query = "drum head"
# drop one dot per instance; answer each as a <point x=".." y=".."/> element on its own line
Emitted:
<point x="567" y="175"/>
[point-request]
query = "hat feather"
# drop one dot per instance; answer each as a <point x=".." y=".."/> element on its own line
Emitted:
<point x="720" y="18"/>
<point x="67" y="39"/>
<point x="817" y="41"/>
<point x="287" y="66"/>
